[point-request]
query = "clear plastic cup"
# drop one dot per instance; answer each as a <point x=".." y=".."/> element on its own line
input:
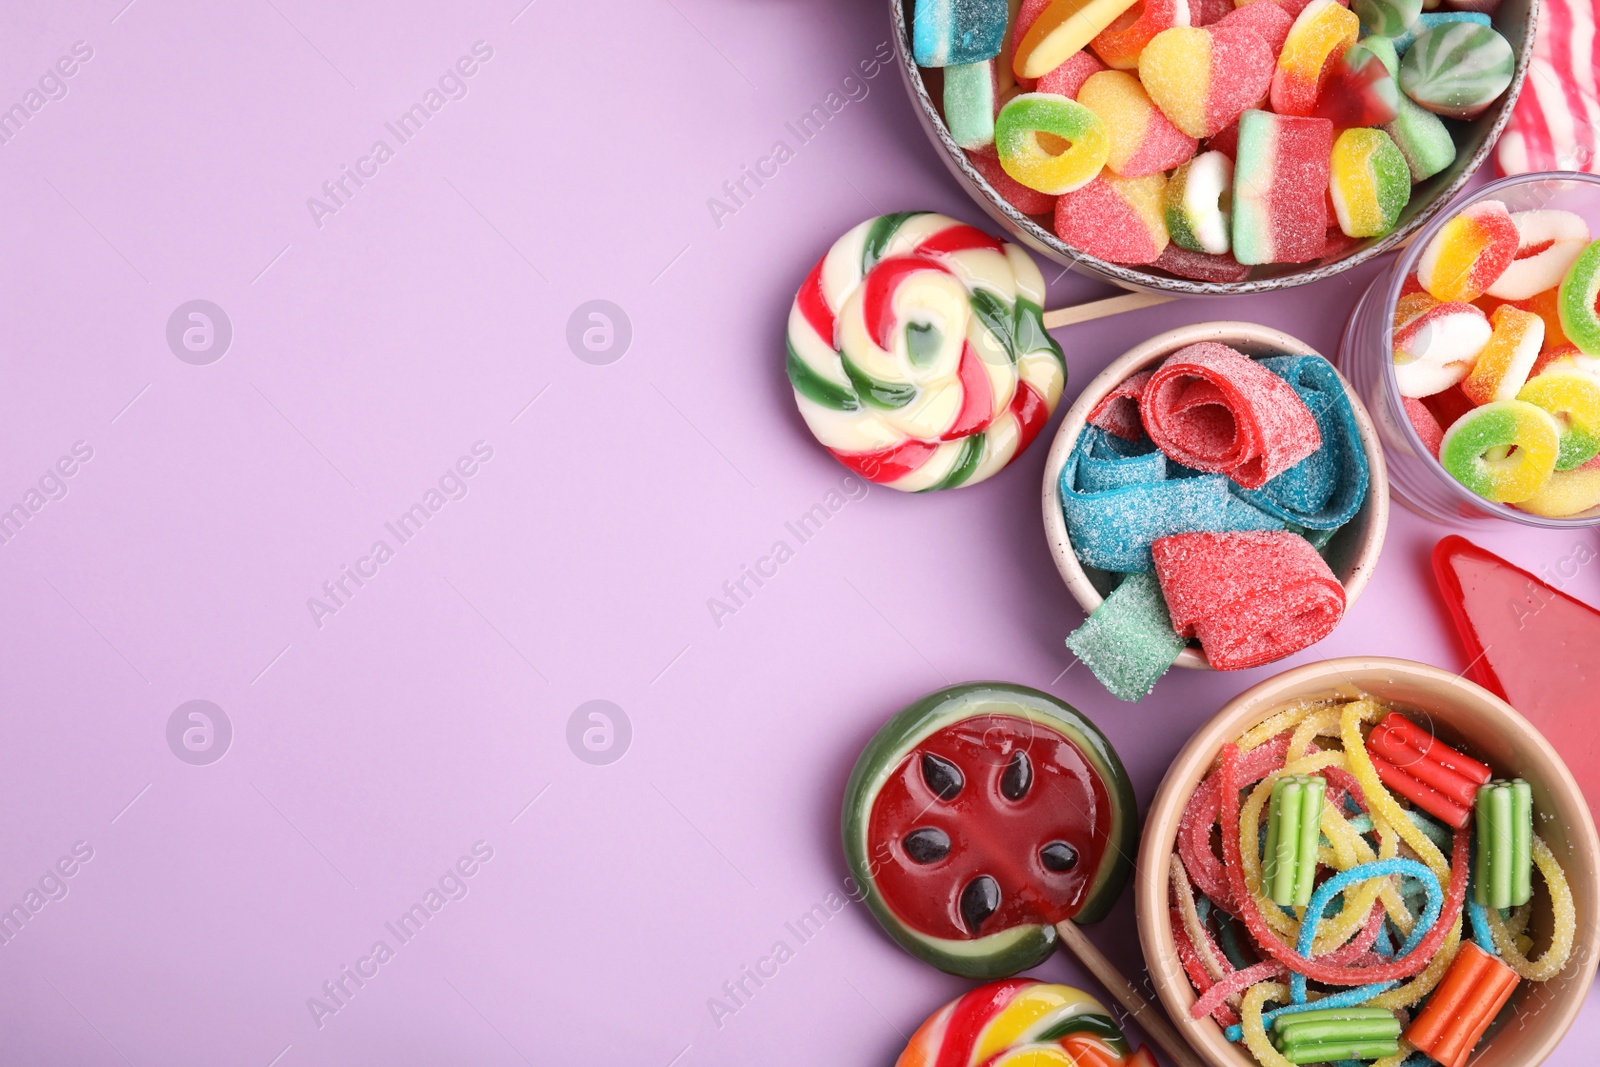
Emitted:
<point x="1366" y="356"/>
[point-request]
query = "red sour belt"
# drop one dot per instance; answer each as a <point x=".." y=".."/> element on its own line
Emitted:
<point x="1318" y="971"/>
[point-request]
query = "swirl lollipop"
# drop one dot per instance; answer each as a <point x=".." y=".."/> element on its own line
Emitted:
<point x="918" y="353"/>
<point x="984" y="823"/>
<point x="1022" y="1022"/>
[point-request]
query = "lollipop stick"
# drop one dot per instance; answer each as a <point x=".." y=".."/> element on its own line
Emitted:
<point x="1146" y="1014"/>
<point x="1099" y="309"/>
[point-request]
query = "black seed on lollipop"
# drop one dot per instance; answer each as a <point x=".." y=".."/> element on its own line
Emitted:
<point x="979" y="900"/>
<point x="1058" y="856"/>
<point x="942" y="776"/>
<point x="927" y="845"/>
<point x="1018" y="777"/>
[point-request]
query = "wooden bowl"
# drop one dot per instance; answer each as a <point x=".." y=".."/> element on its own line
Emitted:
<point x="1462" y="714"/>
<point x="1353" y="552"/>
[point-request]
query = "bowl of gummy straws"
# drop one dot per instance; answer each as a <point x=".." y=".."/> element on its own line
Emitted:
<point x="1479" y="356"/>
<point x="1370" y="861"/>
<point x="1198" y="147"/>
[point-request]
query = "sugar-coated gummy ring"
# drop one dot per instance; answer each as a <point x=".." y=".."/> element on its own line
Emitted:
<point x="918" y="353"/>
<point x="1577" y="299"/>
<point x="980" y="816"/>
<point x="1504" y="451"/>
<point x="1574" y="399"/>
<point x="1197" y="203"/>
<point x="1016" y="137"/>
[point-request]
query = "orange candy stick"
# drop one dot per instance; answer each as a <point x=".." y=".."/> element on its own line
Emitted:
<point x="1474" y="989"/>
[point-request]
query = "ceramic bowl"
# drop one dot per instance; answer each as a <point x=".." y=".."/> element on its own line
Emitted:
<point x="1514" y="19"/>
<point x="1353" y="552"/>
<point x="1462" y="714"/>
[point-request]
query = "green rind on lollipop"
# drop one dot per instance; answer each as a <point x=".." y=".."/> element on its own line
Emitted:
<point x="1020" y="947"/>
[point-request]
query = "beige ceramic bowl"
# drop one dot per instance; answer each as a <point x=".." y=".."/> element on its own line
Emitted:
<point x="1462" y="714"/>
<point x="1353" y="552"/>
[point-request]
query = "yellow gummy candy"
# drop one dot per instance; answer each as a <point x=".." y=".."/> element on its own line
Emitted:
<point x="1060" y="30"/>
<point x="1566" y="494"/>
<point x="1255" y="1031"/>
<point x="1565" y="923"/>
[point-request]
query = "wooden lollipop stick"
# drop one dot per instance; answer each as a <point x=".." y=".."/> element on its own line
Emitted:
<point x="1099" y="309"/>
<point x="1147" y="1015"/>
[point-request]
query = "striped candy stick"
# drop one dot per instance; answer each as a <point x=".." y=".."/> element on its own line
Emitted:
<point x="1556" y="122"/>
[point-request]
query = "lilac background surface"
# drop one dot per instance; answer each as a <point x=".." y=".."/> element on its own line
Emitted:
<point x="430" y="711"/>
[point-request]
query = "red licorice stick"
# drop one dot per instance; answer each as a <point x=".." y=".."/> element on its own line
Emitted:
<point x="1317" y="970"/>
<point x="1200" y="818"/>
<point x="1425" y="770"/>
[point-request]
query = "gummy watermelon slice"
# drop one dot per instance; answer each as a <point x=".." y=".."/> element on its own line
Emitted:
<point x="981" y="816"/>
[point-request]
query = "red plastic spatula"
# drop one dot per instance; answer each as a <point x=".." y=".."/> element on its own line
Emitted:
<point x="1533" y="645"/>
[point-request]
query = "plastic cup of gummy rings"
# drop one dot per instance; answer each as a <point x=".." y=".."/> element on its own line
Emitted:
<point x="976" y="172"/>
<point x="1481" y="452"/>
<point x="1352" y="553"/>
<point x="1240" y="745"/>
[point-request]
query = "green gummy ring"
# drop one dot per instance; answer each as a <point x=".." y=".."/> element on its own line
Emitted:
<point x="1576" y="301"/>
<point x="1017" y="948"/>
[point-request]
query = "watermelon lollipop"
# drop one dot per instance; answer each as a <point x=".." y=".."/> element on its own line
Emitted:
<point x="979" y="818"/>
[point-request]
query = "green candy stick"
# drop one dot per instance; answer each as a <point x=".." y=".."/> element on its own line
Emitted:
<point x="1503" y="869"/>
<point x="1306" y="856"/>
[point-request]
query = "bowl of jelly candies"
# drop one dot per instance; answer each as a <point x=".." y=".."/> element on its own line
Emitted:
<point x="1215" y="498"/>
<point x="1365" y="859"/>
<point x="1480" y="356"/>
<point x="1198" y="147"/>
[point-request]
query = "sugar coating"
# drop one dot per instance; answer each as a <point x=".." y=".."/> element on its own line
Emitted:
<point x="1024" y="118"/>
<point x="1422" y="137"/>
<point x="952" y="32"/>
<point x="1357" y="90"/>
<point x="1560" y="237"/>
<point x="1435" y="348"/>
<point x="1116" y="219"/>
<point x="1577" y="301"/>
<point x="1566" y="494"/>
<point x="1369" y="180"/>
<point x="1280" y="174"/>
<point x="1423" y="421"/>
<point x="1109" y="462"/>
<point x="1114" y="529"/>
<point x="1504" y="451"/>
<point x="1204" y="78"/>
<point x="1503" y="366"/>
<point x="1249" y="598"/>
<point x="970" y="103"/>
<point x="1068" y="78"/>
<point x="1327" y="488"/>
<point x="1208" y="12"/>
<point x="1128" y="642"/>
<point x="1387" y="18"/>
<point x="1061" y="28"/>
<point x="1470" y="252"/>
<point x="1574" y="399"/>
<point x="1121" y="42"/>
<point x="1267" y="20"/>
<point x="1321" y="32"/>
<point x="1143" y="141"/>
<point x="1028" y="201"/>
<point x="1201" y="266"/>
<point x="1457" y="69"/>
<point x="1215" y="410"/>
<point x="1197" y="203"/>
<point x="1118" y="411"/>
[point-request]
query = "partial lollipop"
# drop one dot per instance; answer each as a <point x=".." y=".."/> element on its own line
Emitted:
<point x="984" y="823"/>
<point x="1022" y="1022"/>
